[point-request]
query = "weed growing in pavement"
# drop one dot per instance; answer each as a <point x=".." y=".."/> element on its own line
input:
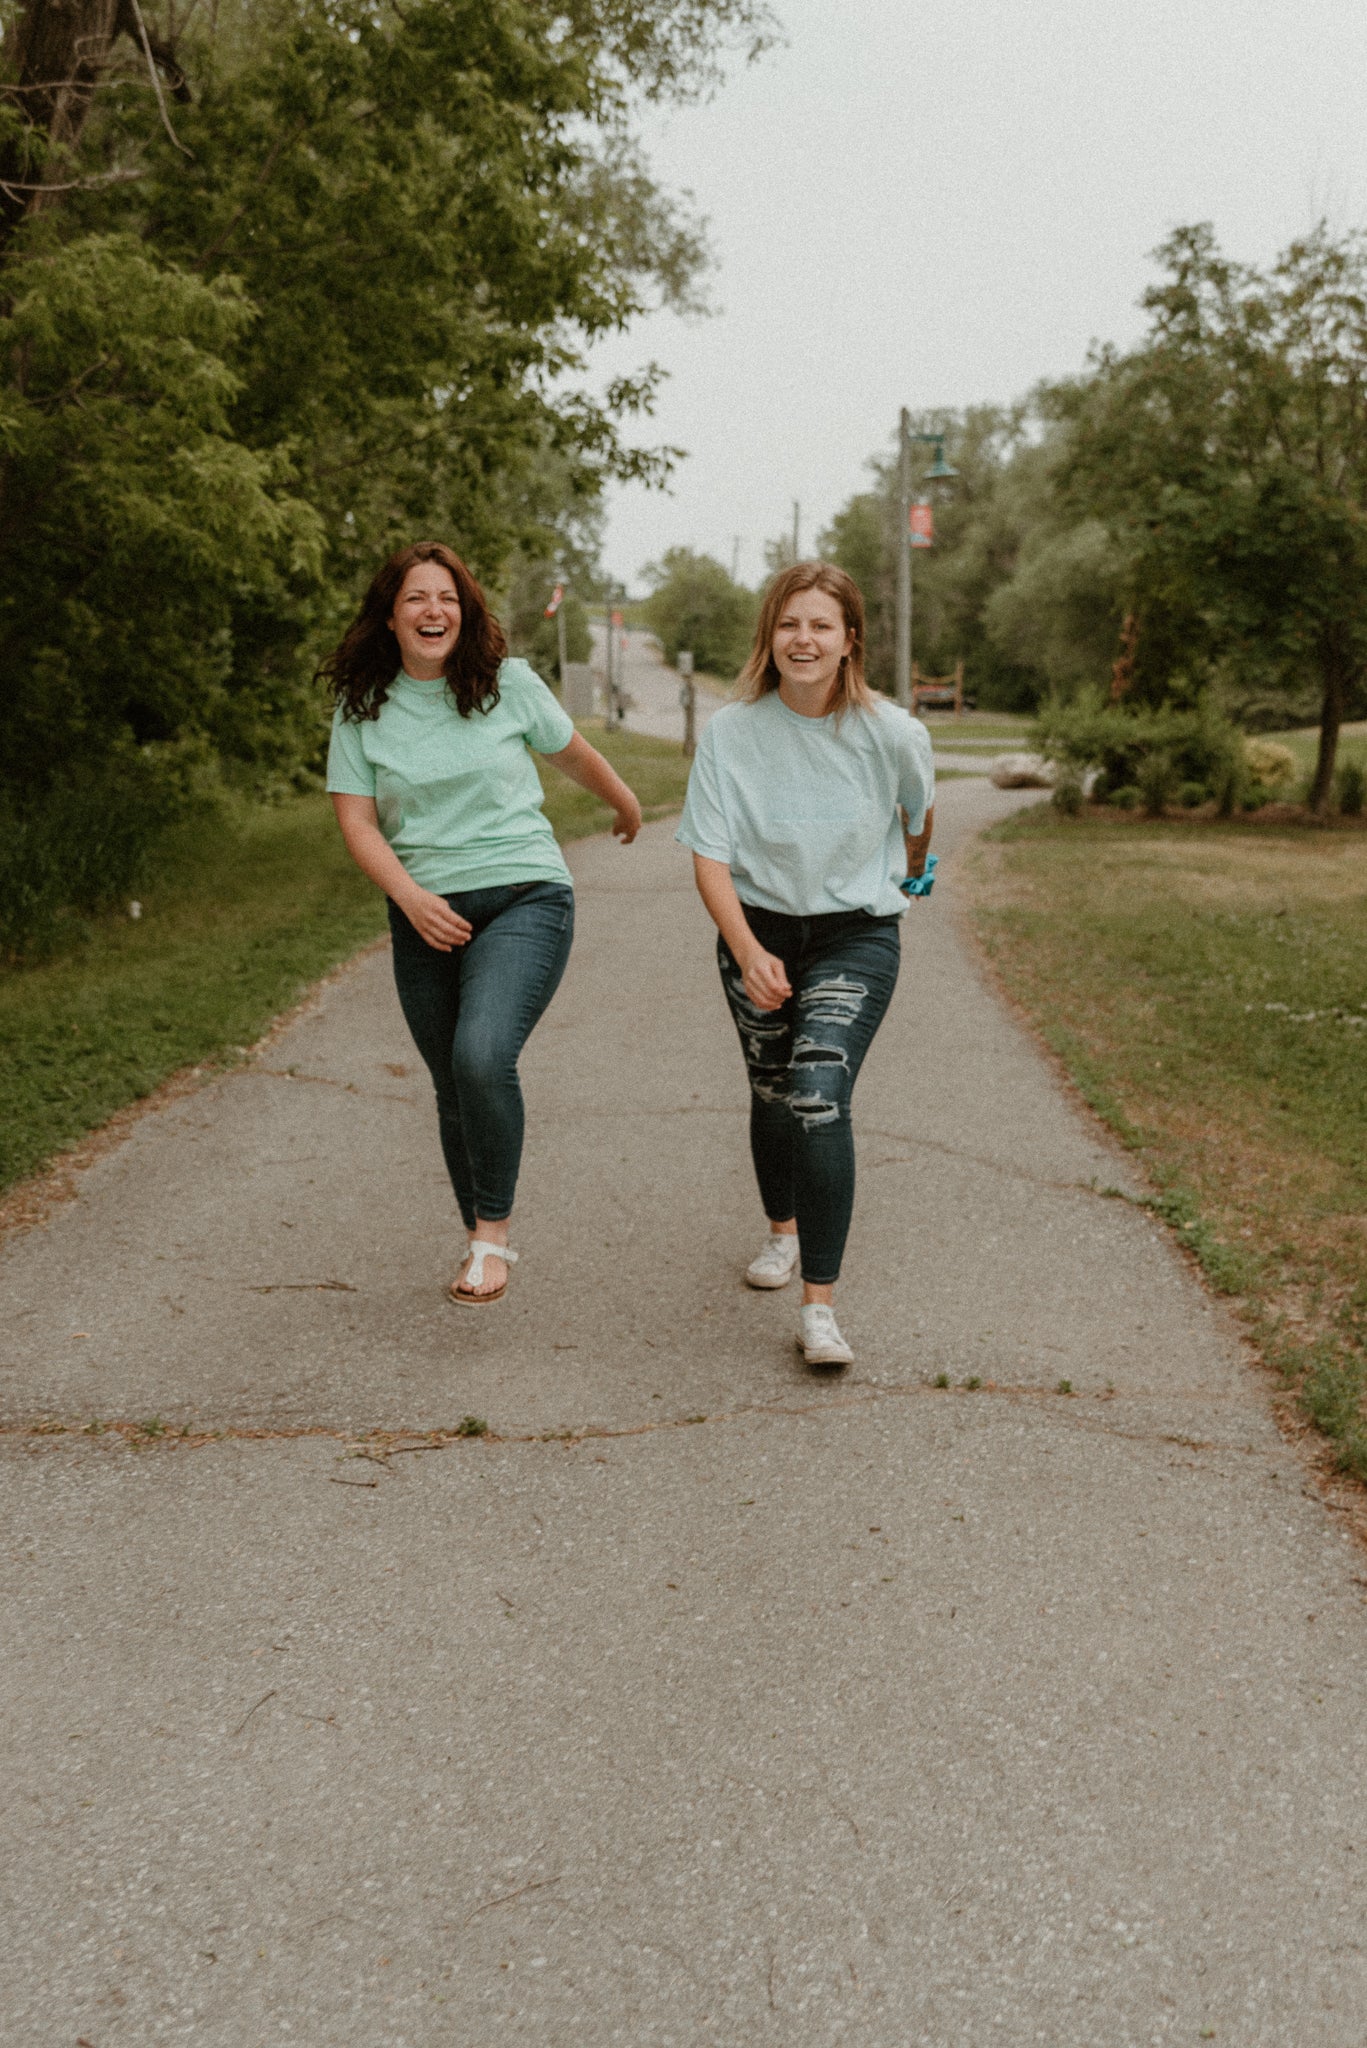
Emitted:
<point x="1064" y="1387"/>
<point x="941" y="1379"/>
<point x="972" y="1383"/>
<point x="471" y="1425"/>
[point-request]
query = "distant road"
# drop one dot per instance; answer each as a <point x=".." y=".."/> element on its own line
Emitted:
<point x="651" y="687"/>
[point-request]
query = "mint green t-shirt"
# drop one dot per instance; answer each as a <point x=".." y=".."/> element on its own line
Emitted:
<point x="804" y="811"/>
<point x="458" y="799"/>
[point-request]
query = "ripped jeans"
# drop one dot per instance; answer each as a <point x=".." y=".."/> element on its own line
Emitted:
<point x="803" y="1061"/>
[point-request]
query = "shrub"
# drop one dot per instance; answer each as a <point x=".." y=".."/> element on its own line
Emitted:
<point x="1196" y="746"/>
<point x="1068" y="795"/>
<point x="1351" y="783"/>
<point x="1127" y="797"/>
<point x="1274" y="766"/>
<point x="1191" y="794"/>
<point x="81" y="845"/>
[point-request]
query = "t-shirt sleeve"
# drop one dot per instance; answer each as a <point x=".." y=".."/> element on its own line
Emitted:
<point x="349" y="772"/>
<point x="703" y="825"/>
<point x="546" y="726"/>
<point x="916" y="774"/>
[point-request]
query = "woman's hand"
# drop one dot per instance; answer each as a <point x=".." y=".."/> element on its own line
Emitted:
<point x="766" y="981"/>
<point x="433" y="919"/>
<point x="626" y="818"/>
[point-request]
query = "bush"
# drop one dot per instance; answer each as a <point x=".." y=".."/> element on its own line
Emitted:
<point x="1068" y="795"/>
<point x="1271" y="765"/>
<point x="1351" y="782"/>
<point x="1128" y="798"/>
<point x="81" y="845"/>
<point x="1196" y="748"/>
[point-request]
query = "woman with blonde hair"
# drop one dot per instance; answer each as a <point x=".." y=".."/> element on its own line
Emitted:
<point x="809" y="817"/>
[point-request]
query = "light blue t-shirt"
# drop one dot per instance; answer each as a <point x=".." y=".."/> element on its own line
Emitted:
<point x="804" y="811"/>
<point x="458" y="799"/>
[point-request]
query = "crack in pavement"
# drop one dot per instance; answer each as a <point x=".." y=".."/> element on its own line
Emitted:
<point x="381" y="1444"/>
<point x="1022" y="1173"/>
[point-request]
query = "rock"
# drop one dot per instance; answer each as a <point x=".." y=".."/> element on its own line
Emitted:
<point x="1022" y="771"/>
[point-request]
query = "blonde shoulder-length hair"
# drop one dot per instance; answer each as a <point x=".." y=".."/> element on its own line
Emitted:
<point x="759" y="676"/>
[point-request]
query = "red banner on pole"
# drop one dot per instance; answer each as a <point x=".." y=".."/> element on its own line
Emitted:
<point x="557" y="595"/>
<point x="921" y="520"/>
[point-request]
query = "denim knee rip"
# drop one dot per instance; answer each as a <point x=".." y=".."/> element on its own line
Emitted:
<point x="837" y="1000"/>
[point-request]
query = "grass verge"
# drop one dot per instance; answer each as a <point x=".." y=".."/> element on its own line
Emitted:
<point x="244" y="910"/>
<point x="1206" y="988"/>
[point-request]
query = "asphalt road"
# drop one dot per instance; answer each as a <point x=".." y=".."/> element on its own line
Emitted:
<point x="711" y="1702"/>
<point x="651" y="688"/>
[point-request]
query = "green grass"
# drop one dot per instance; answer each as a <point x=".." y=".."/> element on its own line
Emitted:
<point x="1304" y="744"/>
<point x="1207" y="988"/>
<point x="245" y="910"/>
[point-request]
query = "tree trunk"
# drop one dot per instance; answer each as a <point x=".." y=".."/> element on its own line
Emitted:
<point x="61" y="49"/>
<point x="1337" y="674"/>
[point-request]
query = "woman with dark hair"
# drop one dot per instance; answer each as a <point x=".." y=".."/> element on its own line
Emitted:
<point x="440" y="804"/>
<point x="809" y="816"/>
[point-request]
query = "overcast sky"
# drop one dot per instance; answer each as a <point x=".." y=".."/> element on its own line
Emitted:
<point x="937" y="202"/>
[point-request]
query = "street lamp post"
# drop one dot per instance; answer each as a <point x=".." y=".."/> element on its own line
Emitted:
<point x="939" y="468"/>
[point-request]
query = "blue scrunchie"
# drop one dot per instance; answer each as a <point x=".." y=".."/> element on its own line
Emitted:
<point x="921" y="885"/>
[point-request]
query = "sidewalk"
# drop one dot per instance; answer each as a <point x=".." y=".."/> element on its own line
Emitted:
<point x="778" y="1711"/>
<point x="652" y="688"/>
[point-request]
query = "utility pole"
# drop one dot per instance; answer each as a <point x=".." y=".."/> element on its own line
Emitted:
<point x="902" y="681"/>
<point x="797" y="531"/>
<point x="560" y="644"/>
<point x="735" y="558"/>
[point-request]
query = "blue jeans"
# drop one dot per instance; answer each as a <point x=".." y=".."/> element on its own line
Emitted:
<point x="471" y="1011"/>
<point x="803" y="1061"/>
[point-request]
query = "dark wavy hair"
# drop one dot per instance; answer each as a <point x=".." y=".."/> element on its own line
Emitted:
<point x="360" y="670"/>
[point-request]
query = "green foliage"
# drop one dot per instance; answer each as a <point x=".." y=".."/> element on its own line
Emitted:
<point x="1141" y="755"/>
<point x="1351" y="786"/>
<point x="1001" y="496"/>
<point x="694" y="604"/>
<point x="1058" y="613"/>
<point x="1228" y="457"/>
<point x="132" y="521"/>
<point x="345" y="305"/>
<point x="85" y="838"/>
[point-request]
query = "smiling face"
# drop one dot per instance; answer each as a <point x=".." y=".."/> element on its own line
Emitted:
<point x="810" y="641"/>
<point x="426" y="620"/>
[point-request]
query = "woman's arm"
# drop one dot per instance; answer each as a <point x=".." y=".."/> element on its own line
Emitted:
<point x="430" y="916"/>
<point x="918" y="846"/>
<point x="586" y="766"/>
<point x="766" y="978"/>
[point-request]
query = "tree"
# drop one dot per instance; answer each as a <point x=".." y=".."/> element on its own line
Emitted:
<point x="1228" y="457"/>
<point x="1003" y="496"/>
<point x="695" y="604"/>
<point x="283" y="288"/>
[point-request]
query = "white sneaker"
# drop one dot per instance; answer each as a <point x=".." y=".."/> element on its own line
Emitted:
<point x="776" y="1264"/>
<point x="819" y="1339"/>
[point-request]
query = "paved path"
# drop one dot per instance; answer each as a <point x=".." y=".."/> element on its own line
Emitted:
<point x="653" y="689"/>
<point x="780" y="1714"/>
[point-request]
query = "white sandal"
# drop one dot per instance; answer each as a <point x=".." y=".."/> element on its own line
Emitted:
<point x="463" y="1291"/>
